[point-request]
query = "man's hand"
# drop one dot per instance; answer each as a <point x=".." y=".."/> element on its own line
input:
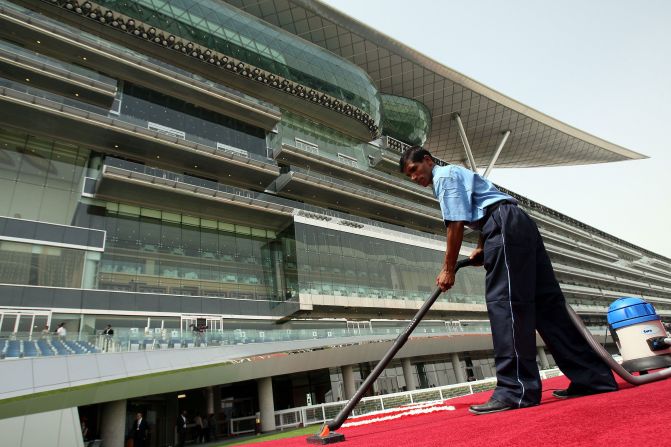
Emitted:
<point x="445" y="279"/>
<point x="477" y="257"/>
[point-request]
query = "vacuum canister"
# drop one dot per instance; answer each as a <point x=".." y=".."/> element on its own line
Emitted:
<point x="639" y="334"/>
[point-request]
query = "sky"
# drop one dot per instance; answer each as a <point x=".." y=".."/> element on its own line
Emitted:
<point x="601" y="66"/>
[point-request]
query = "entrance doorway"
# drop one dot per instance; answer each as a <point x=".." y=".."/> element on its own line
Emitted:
<point x="24" y="323"/>
<point x="204" y="324"/>
<point x="358" y="327"/>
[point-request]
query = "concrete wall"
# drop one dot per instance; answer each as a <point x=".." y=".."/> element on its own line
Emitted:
<point x="58" y="428"/>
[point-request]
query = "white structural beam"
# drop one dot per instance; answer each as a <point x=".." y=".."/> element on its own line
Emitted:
<point x="496" y="153"/>
<point x="464" y="140"/>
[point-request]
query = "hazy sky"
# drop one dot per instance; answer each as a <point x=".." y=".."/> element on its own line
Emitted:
<point x="601" y="66"/>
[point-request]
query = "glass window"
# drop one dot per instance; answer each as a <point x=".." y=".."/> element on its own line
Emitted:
<point x="40" y="178"/>
<point x="30" y="264"/>
<point x="194" y="121"/>
<point x="357" y="265"/>
<point x="152" y="255"/>
<point x="224" y="28"/>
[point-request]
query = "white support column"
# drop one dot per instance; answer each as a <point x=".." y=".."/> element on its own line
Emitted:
<point x="464" y="140"/>
<point x="113" y="424"/>
<point x="89" y="276"/>
<point x="409" y="377"/>
<point x="456" y="365"/>
<point x="209" y="401"/>
<point x="496" y="154"/>
<point x="266" y="404"/>
<point x="348" y="381"/>
<point x="544" y="358"/>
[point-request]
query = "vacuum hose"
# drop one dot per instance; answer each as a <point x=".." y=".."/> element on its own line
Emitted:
<point x="616" y="367"/>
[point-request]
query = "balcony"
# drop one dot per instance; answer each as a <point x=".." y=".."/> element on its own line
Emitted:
<point x="68" y="44"/>
<point x="68" y="80"/>
<point x="615" y="269"/>
<point x="54" y="116"/>
<point x="75" y="40"/>
<point x="548" y="234"/>
<point x="310" y="157"/>
<point x="337" y="194"/>
<point x="137" y="183"/>
<point x="387" y="158"/>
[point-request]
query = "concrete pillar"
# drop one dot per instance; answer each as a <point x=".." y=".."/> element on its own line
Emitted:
<point x="266" y="404"/>
<point x="409" y="377"/>
<point x="113" y="423"/>
<point x="209" y="399"/>
<point x="348" y="381"/>
<point x="458" y="370"/>
<point x="544" y="358"/>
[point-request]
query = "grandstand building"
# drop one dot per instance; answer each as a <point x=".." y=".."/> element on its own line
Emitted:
<point x="217" y="180"/>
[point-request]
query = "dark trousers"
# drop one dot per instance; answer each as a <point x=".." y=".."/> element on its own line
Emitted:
<point x="523" y="296"/>
<point x="181" y="437"/>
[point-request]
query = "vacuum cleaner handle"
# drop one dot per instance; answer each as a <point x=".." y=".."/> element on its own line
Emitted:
<point x="340" y="418"/>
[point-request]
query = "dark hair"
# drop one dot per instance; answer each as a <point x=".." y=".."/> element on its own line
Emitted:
<point x="413" y="154"/>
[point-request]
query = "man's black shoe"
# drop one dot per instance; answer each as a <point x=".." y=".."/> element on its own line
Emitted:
<point x="568" y="393"/>
<point x="491" y="406"/>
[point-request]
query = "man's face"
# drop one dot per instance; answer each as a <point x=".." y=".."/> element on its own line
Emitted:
<point x="420" y="172"/>
<point x="138" y="416"/>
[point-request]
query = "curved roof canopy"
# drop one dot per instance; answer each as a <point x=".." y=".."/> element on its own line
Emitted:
<point x="223" y="28"/>
<point x="535" y="140"/>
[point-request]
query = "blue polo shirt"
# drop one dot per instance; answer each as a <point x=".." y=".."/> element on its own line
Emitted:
<point x="463" y="194"/>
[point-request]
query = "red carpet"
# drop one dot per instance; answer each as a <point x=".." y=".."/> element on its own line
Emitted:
<point x="633" y="416"/>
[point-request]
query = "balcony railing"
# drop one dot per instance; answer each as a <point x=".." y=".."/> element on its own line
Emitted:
<point x="22" y="344"/>
<point x="380" y="196"/>
<point x="63" y="104"/>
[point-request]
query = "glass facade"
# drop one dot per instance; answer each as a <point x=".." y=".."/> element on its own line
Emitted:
<point x="40" y="179"/>
<point x="219" y="132"/>
<point x="405" y="119"/>
<point x="149" y="250"/>
<point x="163" y="272"/>
<point x="151" y="106"/>
<point x="332" y="262"/>
<point x="232" y="32"/>
<point x="297" y="131"/>
<point x="38" y="265"/>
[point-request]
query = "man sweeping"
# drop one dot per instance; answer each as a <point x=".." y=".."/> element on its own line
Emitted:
<point x="522" y="293"/>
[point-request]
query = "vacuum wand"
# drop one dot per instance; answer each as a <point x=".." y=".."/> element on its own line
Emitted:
<point x="326" y="436"/>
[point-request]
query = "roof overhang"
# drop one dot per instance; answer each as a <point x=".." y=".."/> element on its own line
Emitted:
<point x="536" y="139"/>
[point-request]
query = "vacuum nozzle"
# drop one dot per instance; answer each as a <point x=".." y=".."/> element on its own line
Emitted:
<point x="325" y="436"/>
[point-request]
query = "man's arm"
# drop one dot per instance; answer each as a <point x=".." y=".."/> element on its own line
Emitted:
<point x="455" y="235"/>
<point x="478" y="255"/>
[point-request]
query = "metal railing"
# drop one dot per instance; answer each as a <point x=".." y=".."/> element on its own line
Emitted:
<point x="338" y="184"/>
<point x="183" y="178"/>
<point x="24" y="344"/>
<point x="322" y="413"/>
<point x="352" y="290"/>
<point x="104" y="115"/>
<point x="18" y="345"/>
